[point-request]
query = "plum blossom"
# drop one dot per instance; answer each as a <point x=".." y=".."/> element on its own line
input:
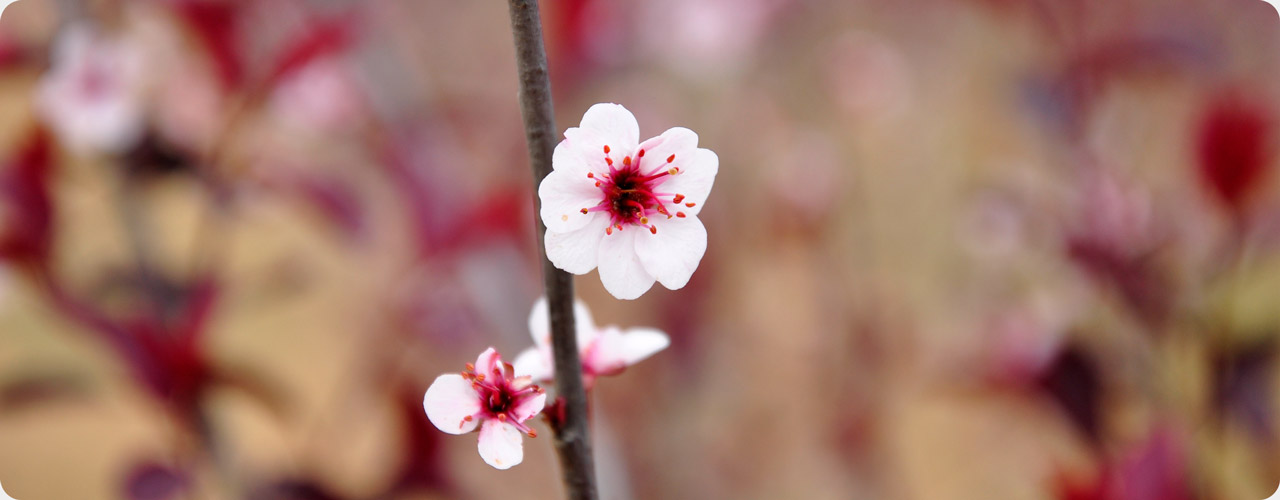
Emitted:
<point x="627" y="207"/>
<point x="487" y="395"/>
<point x="603" y="351"/>
<point x="93" y="95"/>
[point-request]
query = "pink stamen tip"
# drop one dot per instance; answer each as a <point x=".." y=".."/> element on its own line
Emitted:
<point x="640" y="154"/>
<point x="671" y="158"/>
<point x="606" y="149"/>
<point x="626" y="161"/>
<point x="680" y="214"/>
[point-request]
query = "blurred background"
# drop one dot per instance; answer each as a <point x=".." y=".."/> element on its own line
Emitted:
<point x="959" y="249"/>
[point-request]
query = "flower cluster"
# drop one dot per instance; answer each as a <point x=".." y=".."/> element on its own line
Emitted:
<point x="613" y="202"/>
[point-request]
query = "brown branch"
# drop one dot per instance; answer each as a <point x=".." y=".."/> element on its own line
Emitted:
<point x="572" y="440"/>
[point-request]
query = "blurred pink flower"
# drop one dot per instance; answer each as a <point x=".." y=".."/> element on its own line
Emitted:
<point x="598" y="201"/>
<point x="322" y="95"/>
<point x="92" y="97"/>
<point x="487" y="395"/>
<point x="604" y="351"/>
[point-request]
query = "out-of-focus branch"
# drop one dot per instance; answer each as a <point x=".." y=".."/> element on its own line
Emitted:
<point x="572" y="440"/>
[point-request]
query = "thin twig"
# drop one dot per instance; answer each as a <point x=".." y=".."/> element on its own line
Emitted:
<point x="572" y="440"/>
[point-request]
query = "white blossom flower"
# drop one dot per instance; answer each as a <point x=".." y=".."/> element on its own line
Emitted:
<point x="603" y="351"/>
<point x="487" y="395"/>
<point x="627" y="207"/>
<point x="92" y="97"/>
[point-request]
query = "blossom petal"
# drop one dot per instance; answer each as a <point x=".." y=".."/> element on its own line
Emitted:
<point x="620" y="269"/>
<point x="697" y="174"/>
<point x="576" y="251"/>
<point x="678" y="141"/>
<point x="529" y="406"/>
<point x="449" y="401"/>
<point x="674" y="251"/>
<point x="563" y="196"/>
<point x="617" y="350"/>
<point x="501" y="445"/>
<point x="540" y="324"/>
<point x="488" y="361"/>
<point x="534" y="362"/>
<point x="613" y="124"/>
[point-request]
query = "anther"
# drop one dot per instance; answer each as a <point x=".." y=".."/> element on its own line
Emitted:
<point x="467" y="418"/>
<point x="608" y="230"/>
<point x="673" y="171"/>
<point x="591" y="175"/>
<point x="606" y="149"/>
<point x="640" y="154"/>
<point x="565" y="217"/>
<point x="644" y="220"/>
<point x="671" y="158"/>
<point x="584" y="211"/>
<point x="690" y="204"/>
<point x="471" y="367"/>
<point x="680" y="214"/>
<point x="626" y="161"/>
<point x="502" y="417"/>
<point x="653" y="229"/>
<point x="597" y="183"/>
<point x="679" y="198"/>
<point x="608" y="160"/>
<point x="480" y="377"/>
<point x="532" y="434"/>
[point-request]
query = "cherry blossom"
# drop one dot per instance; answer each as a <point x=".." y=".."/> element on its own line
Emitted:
<point x="604" y="351"/>
<point x="627" y="207"/>
<point x="92" y="97"/>
<point x="487" y="395"/>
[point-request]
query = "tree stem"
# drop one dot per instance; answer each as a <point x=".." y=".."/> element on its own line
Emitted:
<point x="572" y="439"/>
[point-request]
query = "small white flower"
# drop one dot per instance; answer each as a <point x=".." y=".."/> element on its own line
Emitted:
<point x="487" y="395"/>
<point x="627" y="207"/>
<point x="92" y="97"/>
<point x="603" y="351"/>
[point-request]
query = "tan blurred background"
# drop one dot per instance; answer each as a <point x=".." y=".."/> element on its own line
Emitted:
<point x="959" y="249"/>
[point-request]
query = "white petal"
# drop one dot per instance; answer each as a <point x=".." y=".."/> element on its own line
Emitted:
<point x="529" y="406"/>
<point x="620" y="269"/>
<point x="613" y="124"/>
<point x="617" y="350"/>
<point x="697" y="174"/>
<point x="678" y="141"/>
<point x="448" y="402"/>
<point x="673" y="253"/>
<point x="501" y="445"/>
<point x="563" y="197"/>
<point x="534" y="362"/>
<point x="488" y="361"/>
<point x="576" y="251"/>
<point x="540" y="323"/>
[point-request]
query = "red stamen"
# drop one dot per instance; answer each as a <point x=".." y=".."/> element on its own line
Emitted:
<point x="680" y="214"/>
<point x="671" y="158"/>
<point x="679" y="198"/>
<point x="608" y="230"/>
<point x="626" y="162"/>
<point x="690" y="204"/>
<point x="640" y="154"/>
<point x="591" y="175"/>
<point x="609" y="161"/>
<point x="584" y="211"/>
<point x="653" y="229"/>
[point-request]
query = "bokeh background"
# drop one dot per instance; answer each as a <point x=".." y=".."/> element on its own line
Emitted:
<point x="959" y="249"/>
